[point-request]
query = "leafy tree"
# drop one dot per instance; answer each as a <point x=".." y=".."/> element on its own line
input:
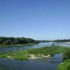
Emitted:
<point x="2" y="40"/>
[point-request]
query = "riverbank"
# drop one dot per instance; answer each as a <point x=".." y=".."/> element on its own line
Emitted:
<point x="36" y="53"/>
<point x="18" y="55"/>
<point x="45" y="52"/>
<point x="32" y="56"/>
<point x="16" y="45"/>
<point x="67" y="42"/>
<point x="65" y="65"/>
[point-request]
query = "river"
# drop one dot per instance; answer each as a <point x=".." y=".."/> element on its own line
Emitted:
<point x="33" y="46"/>
<point x="34" y="64"/>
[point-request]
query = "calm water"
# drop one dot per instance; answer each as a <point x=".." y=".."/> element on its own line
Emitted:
<point x="44" y="64"/>
<point x="33" y="46"/>
<point x="36" y="64"/>
<point x="26" y="47"/>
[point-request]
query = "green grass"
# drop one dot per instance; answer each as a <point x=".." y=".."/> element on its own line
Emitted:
<point x="15" y="45"/>
<point x="45" y="50"/>
<point x="24" y="54"/>
<point x="66" y="59"/>
<point x="19" y="55"/>
<point x="66" y="53"/>
<point x="65" y="65"/>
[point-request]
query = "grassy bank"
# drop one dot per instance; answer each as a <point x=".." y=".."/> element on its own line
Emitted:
<point x="39" y="52"/>
<point x="65" y="65"/>
<point x="19" y="55"/>
<point x="24" y="55"/>
<point x="16" y="45"/>
<point x="45" y="50"/>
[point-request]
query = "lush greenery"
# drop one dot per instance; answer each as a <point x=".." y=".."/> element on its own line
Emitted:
<point x="66" y="53"/>
<point x="54" y="50"/>
<point x="15" y="45"/>
<point x="65" y="65"/>
<point x="66" y="59"/>
<point x="45" y="50"/>
<point x="22" y="55"/>
<point x="11" y="41"/>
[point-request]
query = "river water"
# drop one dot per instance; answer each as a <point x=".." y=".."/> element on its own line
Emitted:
<point x="33" y="46"/>
<point x="34" y="64"/>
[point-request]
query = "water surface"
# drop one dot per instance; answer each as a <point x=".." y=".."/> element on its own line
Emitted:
<point x="50" y="64"/>
<point x="33" y="46"/>
<point x="37" y="64"/>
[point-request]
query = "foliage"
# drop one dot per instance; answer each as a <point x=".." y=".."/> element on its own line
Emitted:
<point x="66" y="59"/>
<point x="45" y="50"/>
<point x="65" y="65"/>
<point x="15" y="45"/>
<point x="12" y="40"/>
<point x="20" y="55"/>
<point x="66" y="53"/>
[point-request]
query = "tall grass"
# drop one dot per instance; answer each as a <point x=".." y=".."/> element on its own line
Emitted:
<point x="24" y="54"/>
<point x="20" y="55"/>
<point x="65" y="65"/>
<point x="45" y="50"/>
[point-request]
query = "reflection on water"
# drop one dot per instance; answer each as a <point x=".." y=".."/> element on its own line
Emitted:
<point x="40" y="60"/>
<point x="63" y="44"/>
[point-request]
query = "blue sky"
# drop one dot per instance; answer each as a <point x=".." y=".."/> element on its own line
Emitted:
<point x="37" y="19"/>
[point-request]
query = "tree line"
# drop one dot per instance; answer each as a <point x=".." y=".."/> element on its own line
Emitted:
<point x="62" y="40"/>
<point x="13" y="40"/>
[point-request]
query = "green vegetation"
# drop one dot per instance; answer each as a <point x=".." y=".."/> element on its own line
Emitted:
<point x="15" y="45"/>
<point x="65" y="65"/>
<point x="23" y="55"/>
<point x="66" y="53"/>
<point x="20" y="55"/>
<point x="11" y="41"/>
<point x="62" y="40"/>
<point x="45" y="50"/>
<point x="66" y="59"/>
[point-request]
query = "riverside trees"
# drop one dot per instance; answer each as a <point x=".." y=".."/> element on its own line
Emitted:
<point x="12" y="40"/>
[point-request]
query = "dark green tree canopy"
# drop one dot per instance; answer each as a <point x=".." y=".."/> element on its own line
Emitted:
<point x="12" y="40"/>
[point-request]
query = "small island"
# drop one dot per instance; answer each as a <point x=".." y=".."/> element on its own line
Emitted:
<point x="45" y="52"/>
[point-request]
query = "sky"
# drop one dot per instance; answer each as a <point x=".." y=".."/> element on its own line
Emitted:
<point x="37" y="19"/>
